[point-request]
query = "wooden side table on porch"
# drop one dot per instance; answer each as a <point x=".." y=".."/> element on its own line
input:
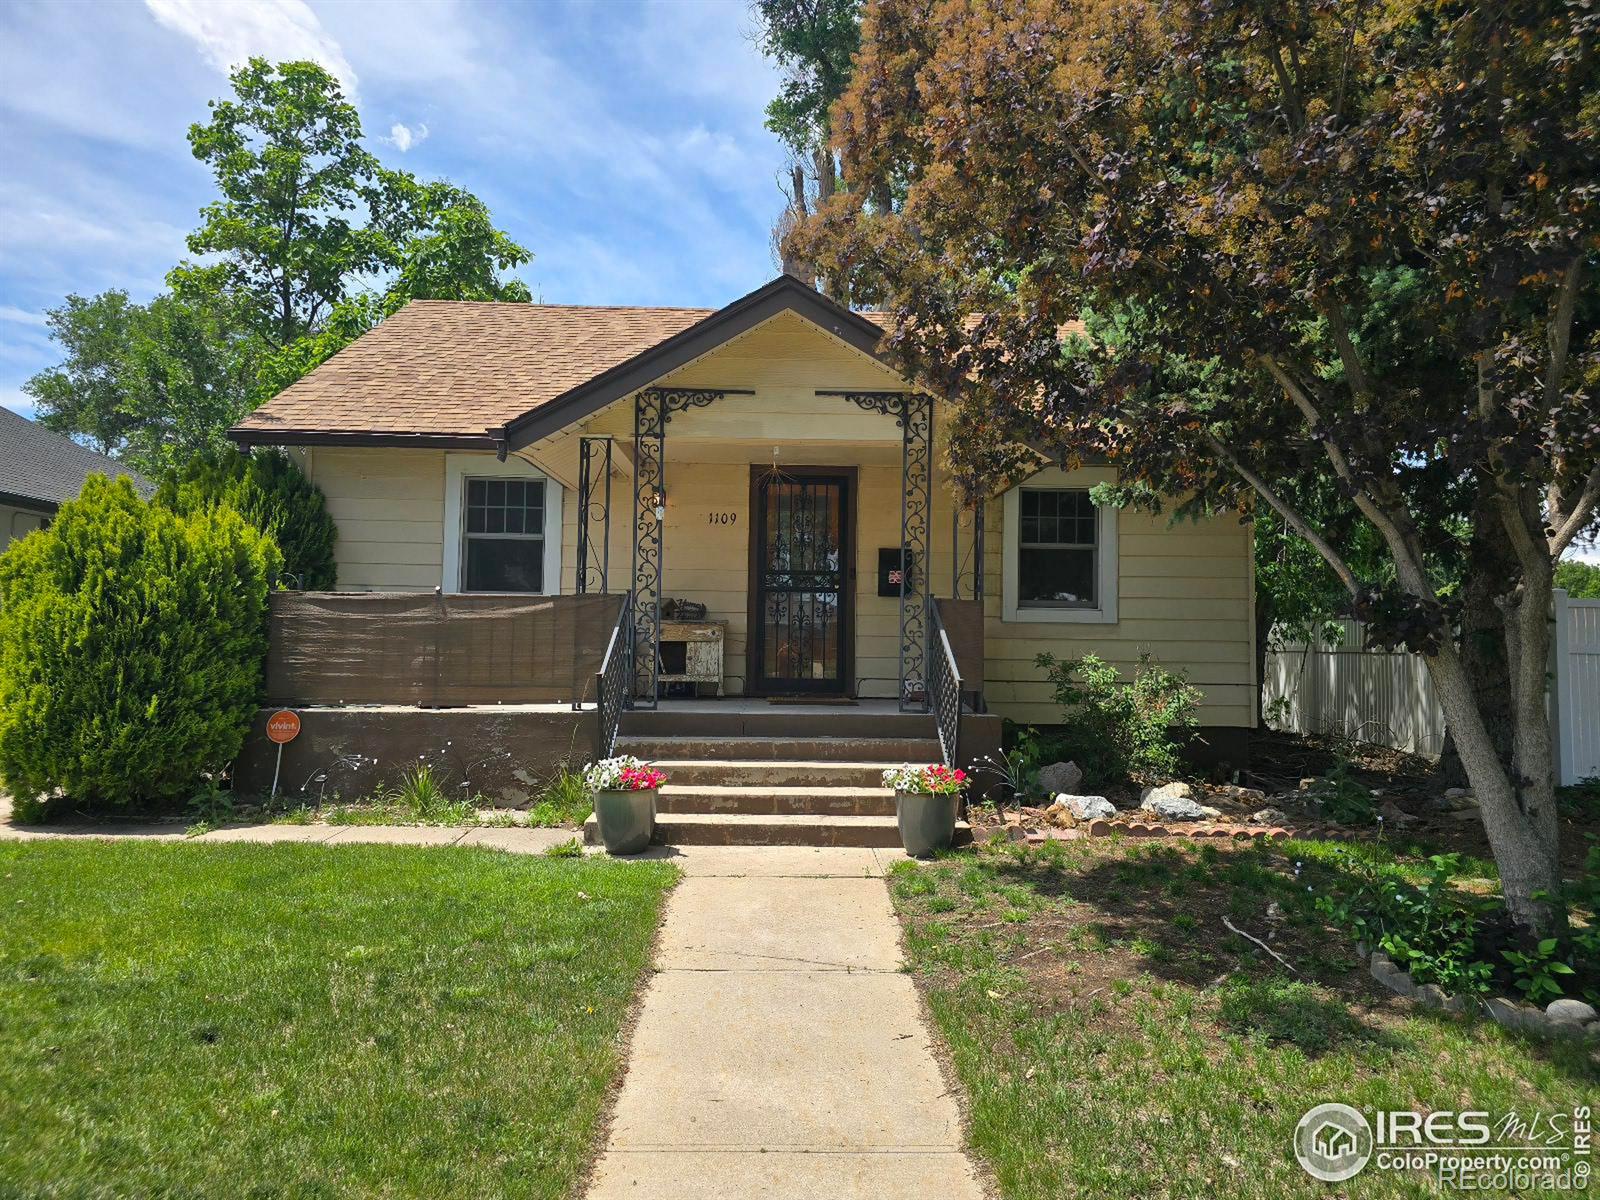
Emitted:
<point x="691" y="652"/>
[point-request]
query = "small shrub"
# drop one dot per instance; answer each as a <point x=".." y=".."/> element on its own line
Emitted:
<point x="1431" y="929"/>
<point x="1343" y="798"/>
<point x="1116" y="730"/>
<point x="270" y="492"/>
<point x="131" y="648"/>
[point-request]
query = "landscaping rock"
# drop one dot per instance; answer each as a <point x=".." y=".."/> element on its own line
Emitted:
<point x="1177" y="809"/>
<point x="1393" y="815"/>
<point x="1567" y="1009"/>
<point x="1431" y="995"/>
<point x="1060" y="777"/>
<point x="1176" y="790"/>
<point x="1504" y="1012"/>
<point x="1458" y="1004"/>
<point x="1562" y="1029"/>
<point x="1269" y="816"/>
<point x="1086" y="808"/>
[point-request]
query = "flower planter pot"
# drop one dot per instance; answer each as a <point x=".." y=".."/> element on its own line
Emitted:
<point x="927" y="822"/>
<point x="626" y="819"/>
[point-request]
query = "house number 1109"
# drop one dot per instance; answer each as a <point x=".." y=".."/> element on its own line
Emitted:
<point x="723" y="518"/>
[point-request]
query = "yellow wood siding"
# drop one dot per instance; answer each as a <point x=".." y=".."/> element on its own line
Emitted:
<point x="1184" y="595"/>
<point x="389" y="506"/>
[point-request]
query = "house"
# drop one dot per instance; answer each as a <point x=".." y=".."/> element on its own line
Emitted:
<point x="594" y="466"/>
<point x="40" y="470"/>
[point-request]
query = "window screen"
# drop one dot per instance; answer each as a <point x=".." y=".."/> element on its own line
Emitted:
<point x="1057" y="549"/>
<point x="505" y="535"/>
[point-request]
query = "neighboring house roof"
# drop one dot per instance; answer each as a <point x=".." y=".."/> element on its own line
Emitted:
<point x="42" y="468"/>
<point x="479" y="374"/>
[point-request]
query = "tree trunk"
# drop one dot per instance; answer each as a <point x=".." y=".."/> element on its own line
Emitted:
<point x="1518" y="813"/>
<point x="1491" y="571"/>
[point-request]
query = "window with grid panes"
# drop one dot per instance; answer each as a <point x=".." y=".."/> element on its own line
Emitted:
<point x="504" y="539"/>
<point x="1057" y="558"/>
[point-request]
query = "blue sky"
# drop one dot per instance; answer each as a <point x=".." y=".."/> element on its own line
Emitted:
<point x="620" y="141"/>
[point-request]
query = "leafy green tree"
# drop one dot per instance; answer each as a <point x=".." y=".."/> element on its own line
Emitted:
<point x="812" y="41"/>
<point x="1580" y="579"/>
<point x="311" y="243"/>
<point x="1353" y="244"/>
<point x="146" y="383"/>
<point x="290" y="227"/>
<point x="132" y="641"/>
<point x="83" y="396"/>
<point x="269" y="491"/>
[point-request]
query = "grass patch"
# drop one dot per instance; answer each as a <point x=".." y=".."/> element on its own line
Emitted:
<point x="1116" y="1039"/>
<point x="244" y="1021"/>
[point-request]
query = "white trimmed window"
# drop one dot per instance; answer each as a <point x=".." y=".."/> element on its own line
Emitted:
<point x="502" y="526"/>
<point x="1060" y="554"/>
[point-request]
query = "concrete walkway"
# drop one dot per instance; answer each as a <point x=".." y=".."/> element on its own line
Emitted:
<point x="780" y="1051"/>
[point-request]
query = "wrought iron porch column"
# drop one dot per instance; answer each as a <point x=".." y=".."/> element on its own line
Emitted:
<point x="594" y="453"/>
<point x="652" y="410"/>
<point x="913" y="413"/>
<point x="966" y="573"/>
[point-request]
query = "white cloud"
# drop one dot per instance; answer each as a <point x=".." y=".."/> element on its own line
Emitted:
<point x="230" y="31"/>
<point x="17" y="401"/>
<point x="403" y="137"/>
<point x="21" y="316"/>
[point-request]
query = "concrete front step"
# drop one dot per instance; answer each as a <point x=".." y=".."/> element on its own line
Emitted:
<point x="879" y="750"/>
<point x="814" y="801"/>
<point x="739" y="829"/>
<point x="732" y="772"/>
<point x="779" y="721"/>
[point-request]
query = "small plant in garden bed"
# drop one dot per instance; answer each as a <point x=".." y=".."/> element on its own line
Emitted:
<point x="1115" y="730"/>
<point x="935" y="779"/>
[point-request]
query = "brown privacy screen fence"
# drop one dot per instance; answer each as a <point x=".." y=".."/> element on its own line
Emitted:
<point x="435" y="650"/>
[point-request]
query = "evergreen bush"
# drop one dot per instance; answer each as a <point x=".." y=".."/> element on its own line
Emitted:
<point x="132" y="640"/>
<point x="1115" y="730"/>
<point x="268" y="490"/>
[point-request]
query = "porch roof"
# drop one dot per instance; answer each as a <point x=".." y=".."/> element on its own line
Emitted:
<point x="465" y="374"/>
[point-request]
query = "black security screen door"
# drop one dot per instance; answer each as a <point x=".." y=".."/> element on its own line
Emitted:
<point x="802" y="573"/>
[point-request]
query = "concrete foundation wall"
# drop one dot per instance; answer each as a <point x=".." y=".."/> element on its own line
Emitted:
<point x="504" y="753"/>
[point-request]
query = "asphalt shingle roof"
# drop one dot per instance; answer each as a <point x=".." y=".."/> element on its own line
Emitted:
<point x="40" y="464"/>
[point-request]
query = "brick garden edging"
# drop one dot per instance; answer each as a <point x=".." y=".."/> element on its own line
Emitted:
<point x="1563" y="1018"/>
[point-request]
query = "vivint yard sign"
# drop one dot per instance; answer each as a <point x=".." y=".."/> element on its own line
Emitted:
<point x="1509" y="1153"/>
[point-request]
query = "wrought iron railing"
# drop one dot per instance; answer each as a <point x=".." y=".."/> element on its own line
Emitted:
<point x="944" y="686"/>
<point x="613" y="682"/>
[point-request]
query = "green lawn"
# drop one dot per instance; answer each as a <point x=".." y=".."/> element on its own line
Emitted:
<point x="1116" y="1040"/>
<point x="283" y="1020"/>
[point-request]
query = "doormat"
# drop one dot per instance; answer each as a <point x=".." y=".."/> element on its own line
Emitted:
<point x="822" y="701"/>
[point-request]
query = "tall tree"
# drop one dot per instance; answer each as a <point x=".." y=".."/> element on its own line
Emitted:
<point x="1327" y="242"/>
<point x="813" y="42"/>
<point x="311" y="243"/>
<point x="292" y="223"/>
<point x="83" y="395"/>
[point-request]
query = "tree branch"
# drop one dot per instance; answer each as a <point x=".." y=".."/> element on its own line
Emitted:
<point x="1287" y="511"/>
<point x="1577" y="518"/>
<point x="1408" y="559"/>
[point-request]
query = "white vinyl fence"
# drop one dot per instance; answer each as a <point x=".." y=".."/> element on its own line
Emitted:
<point x="1387" y="699"/>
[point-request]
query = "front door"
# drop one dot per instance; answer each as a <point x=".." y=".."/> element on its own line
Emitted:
<point x="800" y="580"/>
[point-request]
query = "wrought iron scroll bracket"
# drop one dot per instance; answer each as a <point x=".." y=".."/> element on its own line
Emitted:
<point x="913" y="413"/>
<point x="594" y="566"/>
<point x="653" y="410"/>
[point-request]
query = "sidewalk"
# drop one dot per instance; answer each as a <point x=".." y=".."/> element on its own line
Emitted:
<point x="516" y="840"/>
<point x="780" y="1051"/>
